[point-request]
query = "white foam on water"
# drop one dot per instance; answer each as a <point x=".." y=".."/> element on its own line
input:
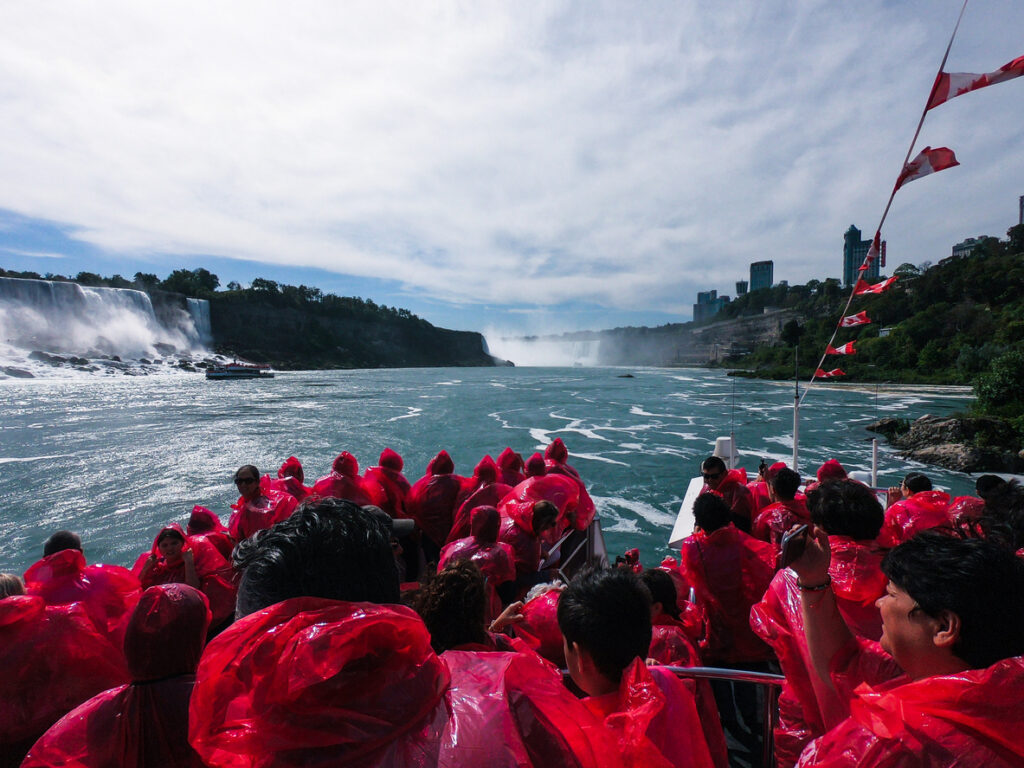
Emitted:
<point x="632" y="446"/>
<point x="413" y="412"/>
<point x="26" y="459"/>
<point x="451" y="383"/>
<point x="641" y="509"/>
<point x="638" y="410"/>
<point x="596" y="457"/>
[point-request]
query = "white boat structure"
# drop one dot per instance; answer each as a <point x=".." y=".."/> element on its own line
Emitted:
<point x="238" y="370"/>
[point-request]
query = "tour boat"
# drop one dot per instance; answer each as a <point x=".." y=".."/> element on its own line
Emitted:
<point x="238" y="370"/>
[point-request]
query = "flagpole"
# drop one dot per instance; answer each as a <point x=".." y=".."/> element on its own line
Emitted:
<point x="888" y="205"/>
<point x="796" y="404"/>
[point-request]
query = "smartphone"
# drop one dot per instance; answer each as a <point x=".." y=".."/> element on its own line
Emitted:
<point x="793" y="544"/>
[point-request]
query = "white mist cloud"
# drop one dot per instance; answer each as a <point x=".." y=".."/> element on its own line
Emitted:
<point x="626" y="155"/>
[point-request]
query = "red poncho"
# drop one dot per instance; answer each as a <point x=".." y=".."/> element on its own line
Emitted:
<point x="973" y="719"/>
<point x="653" y="718"/>
<point x="562" y="491"/>
<point x="431" y="500"/>
<point x="53" y="660"/>
<point x="729" y="572"/>
<point x="534" y="467"/>
<point x="289" y="480"/>
<point x="262" y="512"/>
<point x="807" y="707"/>
<point x="496" y="560"/>
<point x="215" y="575"/>
<point x="510" y="710"/>
<point x="387" y="485"/>
<point x="924" y="510"/>
<point x="733" y="489"/>
<point x="517" y="532"/>
<point x="511" y="465"/>
<point x="310" y="681"/>
<point x="539" y="627"/>
<point x="556" y="458"/>
<point x="203" y="523"/>
<point x="145" y="723"/>
<point x="965" y="511"/>
<point x="690" y="616"/>
<point x="108" y="593"/>
<point x="776" y="519"/>
<point x="343" y="481"/>
<point x="483" y="489"/>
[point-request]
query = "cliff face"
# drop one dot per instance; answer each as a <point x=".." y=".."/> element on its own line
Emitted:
<point x="292" y="338"/>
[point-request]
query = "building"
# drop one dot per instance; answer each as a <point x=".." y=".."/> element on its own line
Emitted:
<point x="854" y="252"/>
<point x="966" y="248"/>
<point x="709" y="304"/>
<point x="741" y="288"/>
<point x="761" y="275"/>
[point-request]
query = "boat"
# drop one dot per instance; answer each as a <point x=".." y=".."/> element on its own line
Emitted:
<point x="238" y="370"/>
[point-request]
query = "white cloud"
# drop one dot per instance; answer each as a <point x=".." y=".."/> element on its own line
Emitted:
<point x="622" y="154"/>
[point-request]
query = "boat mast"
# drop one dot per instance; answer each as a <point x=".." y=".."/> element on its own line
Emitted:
<point x="796" y="405"/>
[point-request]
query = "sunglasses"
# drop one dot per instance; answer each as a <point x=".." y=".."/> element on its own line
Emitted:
<point x="709" y="476"/>
<point x="244" y="480"/>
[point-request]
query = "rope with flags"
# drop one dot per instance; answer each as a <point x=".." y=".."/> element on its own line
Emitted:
<point x="946" y="86"/>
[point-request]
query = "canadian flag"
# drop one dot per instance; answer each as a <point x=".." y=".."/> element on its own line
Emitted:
<point x="861" y="318"/>
<point x="822" y="374"/>
<point x="846" y="349"/>
<point x="863" y="288"/>
<point x="928" y="161"/>
<point x="872" y="252"/>
<point x="949" y="85"/>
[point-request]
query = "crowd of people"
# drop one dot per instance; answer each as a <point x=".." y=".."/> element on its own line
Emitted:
<point x="364" y="620"/>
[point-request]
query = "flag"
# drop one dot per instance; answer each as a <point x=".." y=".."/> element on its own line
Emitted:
<point x="846" y="349"/>
<point x="950" y="85"/>
<point x="872" y="252"/>
<point x="820" y="374"/>
<point x="863" y="288"/>
<point x="928" y="161"/>
<point x="861" y="318"/>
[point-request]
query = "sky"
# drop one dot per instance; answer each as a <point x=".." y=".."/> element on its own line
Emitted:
<point x="520" y="168"/>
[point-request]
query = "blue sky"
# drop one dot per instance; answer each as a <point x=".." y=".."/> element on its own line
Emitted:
<point x="502" y="167"/>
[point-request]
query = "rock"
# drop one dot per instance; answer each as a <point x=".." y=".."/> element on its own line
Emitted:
<point x="968" y="444"/>
<point x="625" y="376"/>
<point x="45" y="357"/>
<point x="17" y="373"/>
<point x="890" y="427"/>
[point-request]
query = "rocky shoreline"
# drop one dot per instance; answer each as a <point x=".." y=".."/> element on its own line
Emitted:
<point x="963" y="444"/>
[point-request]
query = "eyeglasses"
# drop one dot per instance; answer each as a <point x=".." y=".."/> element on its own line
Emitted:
<point x="710" y="476"/>
<point x="244" y="480"/>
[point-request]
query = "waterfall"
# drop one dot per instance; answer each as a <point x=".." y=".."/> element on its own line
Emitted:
<point x="63" y="317"/>
<point x="544" y="350"/>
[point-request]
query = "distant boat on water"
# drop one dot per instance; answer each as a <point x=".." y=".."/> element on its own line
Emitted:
<point x="238" y="370"/>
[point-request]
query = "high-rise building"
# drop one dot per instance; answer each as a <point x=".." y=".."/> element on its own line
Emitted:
<point x="741" y="287"/>
<point x="762" y="275"/>
<point x="854" y="252"/>
<point x="709" y="304"/>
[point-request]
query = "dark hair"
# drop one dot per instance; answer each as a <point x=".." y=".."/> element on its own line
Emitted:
<point x="1003" y="516"/>
<point x="247" y="467"/>
<point x="328" y="548"/>
<point x="544" y="514"/>
<point x="846" y="508"/>
<point x="662" y="589"/>
<point x="608" y="614"/>
<point x="785" y="483"/>
<point x="713" y="463"/>
<point x="169" y="533"/>
<point x="915" y="482"/>
<point x="10" y="585"/>
<point x="986" y="484"/>
<point x="453" y="604"/>
<point x="710" y="512"/>
<point x="978" y="580"/>
<point x="60" y="541"/>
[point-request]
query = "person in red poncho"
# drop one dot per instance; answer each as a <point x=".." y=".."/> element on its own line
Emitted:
<point x="522" y="530"/>
<point x="851" y="515"/>
<point x="107" y="592"/>
<point x="511" y="467"/>
<point x="343" y="481"/>
<point x="387" y="485"/>
<point x="605" y="619"/>
<point x="556" y="460"/>
<point x="204" y="523"/>
<point x="53" y="659"/>
<point x="785" y="509"/>
<point x="945" y="685"/>
<point x="289" y="479"/>
<point x="731" y="485"/>
<point x="759" y="487"/>
<point x="257" y="509"/>
<point x="431" y="503"/>
<point x="145" y="723"/>
<point x="495" y="559"/>
<point x="912" y="507"/>
<point x="538" y="627"/>
<point x="482" y="489"/>
<point x="179" y="559"/>
<point x="556" y="457"/>
<point x="534" y="467"/>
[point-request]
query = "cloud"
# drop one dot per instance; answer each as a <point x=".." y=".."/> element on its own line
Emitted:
<point x="626" y="155"/>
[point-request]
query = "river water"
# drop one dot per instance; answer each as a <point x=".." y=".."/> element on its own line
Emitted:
<point x="115" y="459"/>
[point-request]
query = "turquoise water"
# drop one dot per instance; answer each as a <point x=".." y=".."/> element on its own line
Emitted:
<point x="116" y="459"/>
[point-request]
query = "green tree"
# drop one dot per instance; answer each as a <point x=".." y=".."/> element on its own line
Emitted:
<point x="146" y="281"/>
<point x="999" y="391"/>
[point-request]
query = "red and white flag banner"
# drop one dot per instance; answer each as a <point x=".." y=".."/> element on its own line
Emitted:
<point x="949" y="85"/>
<point x="863" y="288"/>
<point x="861" y="318"/>
<point x="834" y="373"/>
<point x="872" y="252"/>
<point x="846" y="349"/>
<point x="927" y="162"/>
